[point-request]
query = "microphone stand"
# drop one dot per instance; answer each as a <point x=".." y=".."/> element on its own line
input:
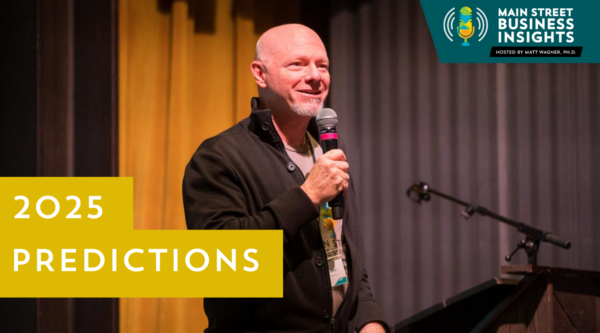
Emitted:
<point x="421" y="191"/>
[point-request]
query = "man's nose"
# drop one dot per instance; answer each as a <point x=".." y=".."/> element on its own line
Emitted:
<point x="313" y="73"/>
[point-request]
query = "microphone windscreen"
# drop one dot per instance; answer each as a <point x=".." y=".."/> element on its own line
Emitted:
<point x="327" y="118"/>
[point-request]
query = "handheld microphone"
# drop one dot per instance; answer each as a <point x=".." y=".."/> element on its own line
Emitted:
<point x="327" y="121"/>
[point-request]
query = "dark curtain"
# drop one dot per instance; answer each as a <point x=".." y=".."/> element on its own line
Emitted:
<point x="519" y="139"/>
<point x="58" y="108"/>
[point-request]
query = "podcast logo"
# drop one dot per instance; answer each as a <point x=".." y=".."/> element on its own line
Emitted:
<point x="466" y="28"/>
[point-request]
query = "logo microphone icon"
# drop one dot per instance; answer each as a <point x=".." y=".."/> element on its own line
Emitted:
<point x="465" y="25"/>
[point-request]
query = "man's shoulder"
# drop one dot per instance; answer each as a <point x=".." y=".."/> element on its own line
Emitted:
<point x="235" y="133"/>
<point x="234" y="141"/>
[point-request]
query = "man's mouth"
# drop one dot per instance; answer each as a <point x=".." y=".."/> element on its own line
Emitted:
<point x="310" y="92"/>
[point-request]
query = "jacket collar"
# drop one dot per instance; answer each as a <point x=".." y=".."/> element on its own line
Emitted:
<point x="260" y="123"/>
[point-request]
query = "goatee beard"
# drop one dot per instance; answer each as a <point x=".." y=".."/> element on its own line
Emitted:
<point x="308" y="110"/>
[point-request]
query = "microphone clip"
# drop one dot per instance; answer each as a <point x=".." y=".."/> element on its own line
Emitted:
<point x="418" y="192"/>
<point x="531" y="247"/>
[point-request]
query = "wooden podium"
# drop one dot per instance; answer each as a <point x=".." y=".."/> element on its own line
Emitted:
<point x="544" y="300"/>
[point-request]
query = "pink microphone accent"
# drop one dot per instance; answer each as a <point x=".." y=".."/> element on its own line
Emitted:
<point x="329" y="136"/>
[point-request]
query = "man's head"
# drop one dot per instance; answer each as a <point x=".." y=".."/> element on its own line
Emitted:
<point x="291" y="70"/>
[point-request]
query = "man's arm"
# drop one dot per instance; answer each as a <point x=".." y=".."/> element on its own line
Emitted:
<point x="369" y="311"/>
<point x="213" y="199"/>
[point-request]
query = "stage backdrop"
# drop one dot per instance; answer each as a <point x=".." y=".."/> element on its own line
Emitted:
<point x="522" y="140"/>
<point x="184" y="76"/>
<point x="518" y="139"/>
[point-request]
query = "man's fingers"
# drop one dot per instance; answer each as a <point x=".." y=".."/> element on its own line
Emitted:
<point x="343" y="186"/>
<point x="336" y="155"/>
<point x="329" y="175"/>
<point x="345" y="176"/>
<point x="342" y="165"/>
<point x="342" y="174"/>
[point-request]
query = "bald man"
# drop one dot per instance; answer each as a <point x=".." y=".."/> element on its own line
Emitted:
<point x="269" y="172"/>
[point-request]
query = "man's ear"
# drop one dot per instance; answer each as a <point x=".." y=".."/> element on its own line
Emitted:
<point x="258" y="72"/>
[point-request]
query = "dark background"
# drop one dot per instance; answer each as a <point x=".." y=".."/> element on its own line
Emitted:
<point x="519" y="139"/>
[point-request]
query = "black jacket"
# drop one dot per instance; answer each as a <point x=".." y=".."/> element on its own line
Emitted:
<point x="243" y="179"/>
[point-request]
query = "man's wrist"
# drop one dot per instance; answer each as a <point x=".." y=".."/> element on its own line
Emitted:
<point x="310" y="195"/>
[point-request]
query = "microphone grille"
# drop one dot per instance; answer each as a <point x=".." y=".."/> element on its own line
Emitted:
<point x="327" y="118"/>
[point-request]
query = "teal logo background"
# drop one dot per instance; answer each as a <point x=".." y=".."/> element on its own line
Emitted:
<point x="586" y="32"/>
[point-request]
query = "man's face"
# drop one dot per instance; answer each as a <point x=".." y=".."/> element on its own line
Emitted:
<point x="298" y="73"/>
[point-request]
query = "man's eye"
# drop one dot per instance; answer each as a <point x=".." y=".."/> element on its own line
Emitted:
<point x="295" y="64"/>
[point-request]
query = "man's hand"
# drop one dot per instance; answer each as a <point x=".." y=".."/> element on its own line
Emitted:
<point x="372" y="328"/>
<point x="328" y="177"/>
